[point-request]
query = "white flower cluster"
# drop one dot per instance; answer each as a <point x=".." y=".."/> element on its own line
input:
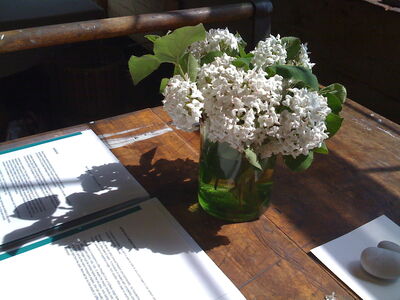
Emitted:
<point x="304" y="59"/>
<point x="244" y="107"/>
<point x="269" y="52"/>
<point x="216" y="40"/>
<point x="183" y="102"/>
<point x="302" y="125"/>
<point x="235" y="101"/>
<point x="273" y="51"/>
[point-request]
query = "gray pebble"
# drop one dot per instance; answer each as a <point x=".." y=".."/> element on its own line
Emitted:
<point x="389" y="246"/>
<point x="380" y="262"/>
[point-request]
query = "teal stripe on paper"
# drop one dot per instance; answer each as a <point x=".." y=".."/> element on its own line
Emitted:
<point x="68" y="233"/>
<point x="39" y="143"/>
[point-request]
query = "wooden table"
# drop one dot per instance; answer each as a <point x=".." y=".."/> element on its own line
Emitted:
<point x="269" y="258"/>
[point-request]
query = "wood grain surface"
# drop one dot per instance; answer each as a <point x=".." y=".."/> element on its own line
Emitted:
<point x="268" y="258"/>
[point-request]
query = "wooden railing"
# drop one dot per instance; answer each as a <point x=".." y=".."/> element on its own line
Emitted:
<point x="52" y="35"/>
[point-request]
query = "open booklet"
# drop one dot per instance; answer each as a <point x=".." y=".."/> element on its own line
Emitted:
<point x="54" y="182"/>
<point x="342" y="257"/>
<point x="83" y="228"/>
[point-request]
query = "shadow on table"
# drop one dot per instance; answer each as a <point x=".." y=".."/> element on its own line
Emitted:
<point x="176" y="182"/>
<point x="173" y="182"/>
<point x="330" y="199"/>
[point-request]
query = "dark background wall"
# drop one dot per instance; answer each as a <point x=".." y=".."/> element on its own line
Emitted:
<point x="352" y="42"/>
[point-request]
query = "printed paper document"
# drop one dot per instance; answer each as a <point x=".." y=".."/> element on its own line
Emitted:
<point x="59" y="180"/>
<point x="142" y="254"/>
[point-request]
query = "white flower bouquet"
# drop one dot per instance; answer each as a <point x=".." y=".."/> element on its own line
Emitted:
<point x="262" y="103"/>
<point x="252" y="106"/>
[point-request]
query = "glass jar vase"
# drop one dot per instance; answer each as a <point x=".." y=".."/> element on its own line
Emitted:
<point x="230" y="188"/>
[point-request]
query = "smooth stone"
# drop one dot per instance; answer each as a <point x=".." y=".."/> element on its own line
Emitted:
<point x="381" y="263"/>
<point x="389" y="245"/>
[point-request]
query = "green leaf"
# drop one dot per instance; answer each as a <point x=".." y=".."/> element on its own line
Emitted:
<point x="300" y="163"/>
<point x="322" y="150"/>
<point x="152" y="37"/>
<point x="242" y="51"/>
<point x="294" y="72"/>
<point x="177" y="71"/>
<point x="163" y="84"/>
<point x="193" y="67"/>
<point x="141" y="67"/>
<point x="242" y="62"/>
<point x="334" y="103"/>
<point x="249" y="55"/>
<point x="189" y="65"/>
<point x="252" y="158"/>
<point x="292" y="45"/>
<point x="183" y="62"/>
<point x="171" y="47"/>
<point x="242" y="45"/>
<point x="221" y="159"/>
<point x="333" y="123"/>
<point x="335" y="89"/>
<point x="210" y="56"/>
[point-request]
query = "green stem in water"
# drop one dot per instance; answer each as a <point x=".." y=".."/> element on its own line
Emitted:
<point x="216" y="183"/>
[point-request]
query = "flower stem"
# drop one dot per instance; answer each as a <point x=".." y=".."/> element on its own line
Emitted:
<point x="216" y="183"/>
<point x="180" y="69"/>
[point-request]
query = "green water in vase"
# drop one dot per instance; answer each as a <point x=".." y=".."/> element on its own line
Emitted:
<point x="230" y="188"/>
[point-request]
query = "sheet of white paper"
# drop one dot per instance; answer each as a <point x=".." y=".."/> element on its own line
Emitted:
<point x="342" y="257"/>
<point x="57" y="181"/>
<point x="145" y="254"/>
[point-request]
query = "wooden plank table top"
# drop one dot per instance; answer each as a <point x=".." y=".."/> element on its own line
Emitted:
<point x="269" y="258"/>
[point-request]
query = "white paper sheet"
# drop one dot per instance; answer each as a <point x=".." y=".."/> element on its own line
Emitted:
<point x="342" y="257"/>
<point x="57" y="181"/>
<point x="145" y="254"/>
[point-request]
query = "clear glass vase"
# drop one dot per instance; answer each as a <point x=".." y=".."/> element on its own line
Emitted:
<point x="230" y="188"/>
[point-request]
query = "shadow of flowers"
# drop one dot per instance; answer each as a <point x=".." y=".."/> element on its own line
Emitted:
<point x="173" y="182"/>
